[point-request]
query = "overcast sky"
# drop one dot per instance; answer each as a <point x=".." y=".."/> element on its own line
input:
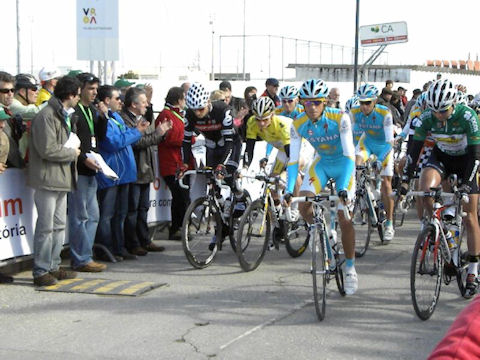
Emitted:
<point x="173" y="34"/>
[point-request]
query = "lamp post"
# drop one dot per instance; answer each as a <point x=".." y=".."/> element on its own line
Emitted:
<point x="355" y="65"/>
<point x="212" y="18"/>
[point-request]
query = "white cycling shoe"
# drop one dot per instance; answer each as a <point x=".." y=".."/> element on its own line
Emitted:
<point x="351" y="282"/>
<point x="389" y="233"/>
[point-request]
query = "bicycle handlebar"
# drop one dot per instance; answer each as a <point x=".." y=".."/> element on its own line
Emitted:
<point x="320" y="198"/>
<point x="199" y="171"/>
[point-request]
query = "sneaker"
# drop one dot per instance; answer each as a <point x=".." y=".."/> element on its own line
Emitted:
<point x="92" y="266"/>
<point x="388" y="233"/>
<point x="470" y="286"/>
<point x="44" y="280"/>
<point x="351" y="282"/>
<point x="62" y="274"/>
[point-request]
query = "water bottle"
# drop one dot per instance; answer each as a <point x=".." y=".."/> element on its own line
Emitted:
<point x="450" y="239"/>
<point x="454" y="231"/>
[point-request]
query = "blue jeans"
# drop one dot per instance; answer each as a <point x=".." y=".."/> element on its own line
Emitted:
<point x="83" y="217"/>
<point x="136" y="226"/>
<point x="113" y="204"/>
<point x="49" y="230"/>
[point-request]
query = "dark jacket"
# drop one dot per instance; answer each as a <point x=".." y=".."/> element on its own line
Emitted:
<point x="85" y="135"/>
<point x="143" y="149"/>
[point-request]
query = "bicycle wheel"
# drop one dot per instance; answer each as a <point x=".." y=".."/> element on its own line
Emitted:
<point x="426" y="273"/>
<point x="362" y="224"/>
<point x="319" y="274"/>
<point x="201" y="223"/>
<point x="253" y="235"/>
<point x="296" y="237"/>
<point x="339" y="277"/>
<point x="460" y="259"/>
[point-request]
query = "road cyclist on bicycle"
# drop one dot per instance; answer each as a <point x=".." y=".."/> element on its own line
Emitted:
<point x="290" y="106"/>
<point x="377" y="124"/>
<point x="329" y="131"/>
<point x="215" y="122"/>
<point x="456" y="130"/>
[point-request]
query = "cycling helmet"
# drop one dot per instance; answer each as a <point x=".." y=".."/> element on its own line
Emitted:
<point x="313" y="89"/>
<point x="263" y="108"/>
<point x="353" y="101"/>
<point x="367" y="92"/>
<point x="441" y="95"/>
<point x="421" y="100"/>
<point x="461" y="98"/>
<point x="197" y="96"/>
<point x="25" y="81"/>
<point x="48" y="74"/>
<point x="288" y="92"/>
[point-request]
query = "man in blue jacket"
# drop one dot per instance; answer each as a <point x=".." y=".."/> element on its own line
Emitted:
<point x="116" y="150"/>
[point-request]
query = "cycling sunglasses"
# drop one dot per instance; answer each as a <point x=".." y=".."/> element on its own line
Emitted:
<point x="365" y="102"/>
<point x="314" y="102"/>
<point x="287" y="101"/>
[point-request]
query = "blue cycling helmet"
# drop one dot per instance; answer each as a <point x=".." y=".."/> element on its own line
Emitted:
<point x="422" y="100"/>
<point x="353" y="101"/>
<point x="367" y="92"/>
<point x="461" y="98"/>
<point x="313" y="89"/>
<point x="288" y="92"/>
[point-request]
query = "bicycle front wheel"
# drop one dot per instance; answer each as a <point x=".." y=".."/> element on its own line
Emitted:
<point x="201" y="231"/>
<point x="253" y="235"/>
<point x="319" y="274"/>
<point x="460" y="259"/>
<point x="362" y="224"/>
<point x="426" y="273"/>
<point x="296" y="237"/>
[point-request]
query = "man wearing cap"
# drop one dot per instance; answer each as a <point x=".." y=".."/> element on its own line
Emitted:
<point x="271" y="90"/>
<point x="48" y="79"/>
<point x="4" y="147"/>
<point x="123" y="85"/>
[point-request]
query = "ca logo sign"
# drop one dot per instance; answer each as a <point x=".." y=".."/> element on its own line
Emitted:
<point x="89" y="17"/>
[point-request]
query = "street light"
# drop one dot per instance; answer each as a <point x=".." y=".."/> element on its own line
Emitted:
<point x="212" y="18"/>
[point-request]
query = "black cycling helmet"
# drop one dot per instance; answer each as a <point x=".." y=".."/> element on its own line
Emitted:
<point x="25" y="81"/>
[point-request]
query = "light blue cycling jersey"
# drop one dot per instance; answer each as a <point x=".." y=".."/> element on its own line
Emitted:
<point x="377" y="129"/>
<point x="331" y="137"/>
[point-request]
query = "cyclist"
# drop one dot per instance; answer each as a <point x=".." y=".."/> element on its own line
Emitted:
<point x="377" y="124"/>
<point x="357" y="132"/>
<point x="329" y="131"/>
<point x="290" y="106"/>
<point x="456" y="130"/>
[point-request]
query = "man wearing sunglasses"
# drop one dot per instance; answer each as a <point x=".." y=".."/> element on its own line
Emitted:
<point x="377" y="124"/>
<point x="290" y="106"/>
<point x="456" y="130"/>
<point x="329" y="131"/>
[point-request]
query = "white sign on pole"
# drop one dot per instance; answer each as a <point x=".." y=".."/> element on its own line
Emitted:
<point x="97" y="30"/>
<point x="383" y="34"/>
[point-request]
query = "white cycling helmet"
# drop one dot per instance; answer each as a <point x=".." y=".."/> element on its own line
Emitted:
<point x="421" y="100"/>
<point x="353" y="101"/>
<point x="48" y="74"/>
<point x="197" y="96"/>
<point x="441" y="95"/>
<point x="367" y="92"/>
<point x="461" y="98"/>
<point x="288" y="92"/>
<point x="313" y="89"/>
<point x="263" y="108"/>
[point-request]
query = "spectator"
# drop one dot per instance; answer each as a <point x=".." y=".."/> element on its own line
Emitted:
<point x="116" y="150"/>
<point x="389" y="84"/>
<point x="439" y="76"/>
<point x="83" y="210"/>
<point x="123" y="85"/>
<point x="14" y="127"/>
<point x="333" y="99"/>
<point x="385" y="99"/>
<point x="3" y="165"/>
<point x="170" y="157"/>
<point x="250" y="95"/>
<point x="218" y="95"/>
<point x="401" y="92"/>
<point x="51" y="172"/>
<point x="397" y="104"/>
<point x="23" y="105"/>
<point x="136" y="227"/>
<point x="231" y="100"/>
<point x="271" y="90"/>
<point x="185" y="86"/>
<point x="48" y="78"/>
<point x="411" y="102"/>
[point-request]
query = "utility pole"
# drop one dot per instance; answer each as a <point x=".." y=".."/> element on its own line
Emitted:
<point x="212" y="74"/>
<point x="244" y="40"/>
<point x="18" y="36"/>
<point x="355" y="65"/>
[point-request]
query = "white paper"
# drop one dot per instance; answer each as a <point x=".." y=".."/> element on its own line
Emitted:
<point x="73" y="141"/>
<point x="104" y="168"/>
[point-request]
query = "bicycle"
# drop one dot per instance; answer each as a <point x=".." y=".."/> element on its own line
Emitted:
<point x="327" y="262"/>
<point x="255" y="228"/>
<point x="432" y="256"/>
<point x="403" y="203"/>
<point x="366" y="211"/>
<point x="205" y="224"/>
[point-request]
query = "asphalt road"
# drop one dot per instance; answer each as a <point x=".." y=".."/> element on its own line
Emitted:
<point x="221" y="312"/>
